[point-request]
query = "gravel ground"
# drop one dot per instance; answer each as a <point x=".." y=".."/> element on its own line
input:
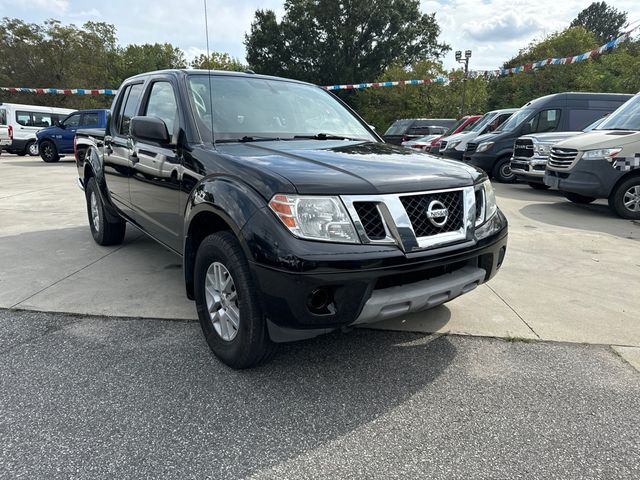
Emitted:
<point x="91" y="397"/>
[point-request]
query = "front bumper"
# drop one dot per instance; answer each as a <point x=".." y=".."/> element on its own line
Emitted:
<point x="529" y="169"/>
<point x="373" y="283"/>
<point x="453" y="154"/>
<point x="591" y="178"/>
<point x="485" y="161"/>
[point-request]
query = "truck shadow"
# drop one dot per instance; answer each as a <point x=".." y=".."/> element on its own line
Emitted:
<point x="171" y="404"/>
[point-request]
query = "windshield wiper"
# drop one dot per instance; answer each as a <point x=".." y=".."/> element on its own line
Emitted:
<point x="325" y="136"/>
<point x="248" y="138"/>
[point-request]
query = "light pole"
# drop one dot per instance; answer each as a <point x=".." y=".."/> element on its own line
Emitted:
<point x="459" y="59"/>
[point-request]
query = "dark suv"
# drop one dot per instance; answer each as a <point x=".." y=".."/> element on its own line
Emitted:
<point x="409" y="128"/>
<point x="291" y="216"/>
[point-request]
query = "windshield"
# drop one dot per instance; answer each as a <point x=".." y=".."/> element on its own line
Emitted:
<point x="593" y="125"/>
<point x="627" y="117"/>
<point x="246" y="108"/>
<point x="398" y="127"/>
<point x="454" y="127"/>
<point x="515" y="120"/>
<point x="480" y="124"/>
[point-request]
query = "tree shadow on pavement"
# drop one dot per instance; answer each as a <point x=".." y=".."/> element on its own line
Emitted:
<point x="148" y="396"/>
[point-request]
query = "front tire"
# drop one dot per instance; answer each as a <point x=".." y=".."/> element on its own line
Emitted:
<point x="49" y="152"/>
<point x="503" y="173"/>
<point x="579" y="199"/>
<point x="230" y="314"/>
<point x="625" y="199"/>
<point x="105" y="231"/>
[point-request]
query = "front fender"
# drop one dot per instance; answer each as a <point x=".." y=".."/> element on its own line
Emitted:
<point x="233" y="201"/>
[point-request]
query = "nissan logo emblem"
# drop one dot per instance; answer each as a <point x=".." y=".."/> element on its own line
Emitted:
<point x="437" y="213"/>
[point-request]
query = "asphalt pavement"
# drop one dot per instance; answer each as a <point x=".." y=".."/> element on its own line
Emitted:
<point x="98" y="397"/>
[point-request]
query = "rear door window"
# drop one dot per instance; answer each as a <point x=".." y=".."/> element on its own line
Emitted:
<point x="90" y="119"/>
<point x="3" y="117"/>
<point x="545" y="121"/>
<point x="130" y="108"/>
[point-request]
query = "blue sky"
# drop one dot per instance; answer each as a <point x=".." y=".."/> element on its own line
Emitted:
<point x="493" y="29"/>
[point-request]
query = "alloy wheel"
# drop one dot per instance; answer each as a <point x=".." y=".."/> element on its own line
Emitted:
<point x="222" y="301"/>
<point x="631" y="199"/>
<point x="95" y="213"/>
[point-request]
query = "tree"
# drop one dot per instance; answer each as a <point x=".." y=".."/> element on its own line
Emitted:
<point x="148" y="57"/>
<point x="516" y="90"/>
<point x="603" y="21"/>
<point x="218" y="61"/>
<point x="324" y="41"/>
<point x="381" y="106"/>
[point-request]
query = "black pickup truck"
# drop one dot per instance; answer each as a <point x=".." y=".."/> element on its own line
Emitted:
<point x="291" y="215"/>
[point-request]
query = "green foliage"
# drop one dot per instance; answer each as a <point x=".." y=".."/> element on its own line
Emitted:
<point x="324" y="41"/>
<point x="136" y="59"/>
<point x="218" y="61"/>
<point x="381" y="106"/>
<point x="603" y="21"/>
<point x="516" y="90"/>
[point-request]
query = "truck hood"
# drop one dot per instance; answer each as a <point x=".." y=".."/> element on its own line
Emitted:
<point x="351" y="168"/>
<point x="462" y="136"/>
<point x="551" y="137"/>
<point x="601" y="139"/>
<point x="47" y="131"/>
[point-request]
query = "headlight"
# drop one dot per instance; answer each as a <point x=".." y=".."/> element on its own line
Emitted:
<point x="543" y="150"/>
<point x="486" y="206"/>
<point x="484" y="146"/>
<point x="602" y="153"/>
<point x="315" y="218"/>
<point x="452" y="145"/>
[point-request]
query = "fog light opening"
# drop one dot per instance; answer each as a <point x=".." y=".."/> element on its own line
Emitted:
<point x="501" y="255"/>
<point x="320" y="301"/>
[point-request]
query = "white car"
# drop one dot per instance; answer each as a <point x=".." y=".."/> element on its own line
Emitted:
<point x="23" y="121"/>
<point x="454" y="145"/>
<point x="421" y="143"/>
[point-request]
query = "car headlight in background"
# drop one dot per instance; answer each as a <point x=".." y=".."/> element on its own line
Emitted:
<point x="486" y="206"/>
<point x="315" y="218"/>
<point x="484" y="146"/>
<point x="601" y="154"/>
<point x="452" y="145"/>
<point x="543" y="150"/>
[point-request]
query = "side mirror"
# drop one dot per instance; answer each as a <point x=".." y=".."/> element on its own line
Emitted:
<point x="60" y="125"/>
<point x="149" y="128"/>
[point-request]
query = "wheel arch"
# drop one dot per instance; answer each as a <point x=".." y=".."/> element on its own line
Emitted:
<point x="214" y="205"/>
<point x="630" y="174"/>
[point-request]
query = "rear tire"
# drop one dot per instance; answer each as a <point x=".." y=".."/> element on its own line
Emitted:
<point x="105" y="231"/>
<point x="49" y="152"/>
<point x="502" y="171"/>
<point x="32" y="149"/>
<point x="625" y="199"/>
<point x="229" y="311"/>
<point x="539" y="186"/>
<point x="577" y="198"/>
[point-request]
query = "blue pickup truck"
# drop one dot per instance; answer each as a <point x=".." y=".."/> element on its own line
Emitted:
<point x="57" y="140"/>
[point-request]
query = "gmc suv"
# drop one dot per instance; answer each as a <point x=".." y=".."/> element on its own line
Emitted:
<point x="292" y="217"/>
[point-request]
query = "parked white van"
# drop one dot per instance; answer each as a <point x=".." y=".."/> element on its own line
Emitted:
<point x="23" y="121"/>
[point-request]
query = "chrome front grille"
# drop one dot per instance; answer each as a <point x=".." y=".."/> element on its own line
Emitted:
<point x="562" y="158"/>
<point x="424" y="225"/>
<point x="471" y="147"/>
<point x="371" y="220"/>
<point x="414" y="221"/>
<point x="523" y="147"/>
